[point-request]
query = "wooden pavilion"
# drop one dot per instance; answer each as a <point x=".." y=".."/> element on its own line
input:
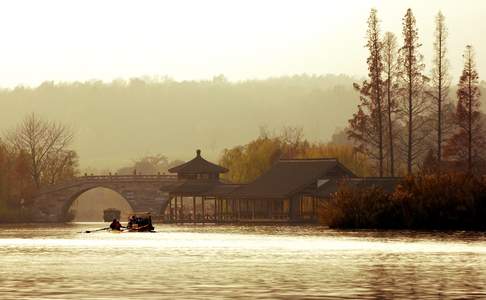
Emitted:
<point x="288" y="193"/>
<point x="196" y="198"/>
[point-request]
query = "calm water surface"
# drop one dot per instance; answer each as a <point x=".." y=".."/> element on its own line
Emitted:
<point x="196" y="262"/>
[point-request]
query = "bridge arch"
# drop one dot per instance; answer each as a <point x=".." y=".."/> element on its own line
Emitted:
<point x="88" y="204"/>
<point x="143" y="193"/>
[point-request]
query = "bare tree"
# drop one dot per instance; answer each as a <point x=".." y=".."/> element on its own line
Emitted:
<point x="414" y="104"/>
<point x="41" y="140"/>
<point x="468" y="143"/>
<point x="367" y="125"/>
<point x="390" y="68"/>
<point x="440" y="83"/>
<point x="60" y="166"/>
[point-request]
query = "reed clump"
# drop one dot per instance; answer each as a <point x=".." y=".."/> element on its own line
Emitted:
<point x="438" y="201"/>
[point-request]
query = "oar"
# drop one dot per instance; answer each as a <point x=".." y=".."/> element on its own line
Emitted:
<point x="89" y="231"/>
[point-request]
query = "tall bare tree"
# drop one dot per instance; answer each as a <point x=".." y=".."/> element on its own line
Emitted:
<point x="414" y="104"/>
<point x="366" y="126"/>
<point x="41" y="140"/>
<point x="468" y="142"/>
<point x="390" y="69"/>
<point x="440" y="83"/>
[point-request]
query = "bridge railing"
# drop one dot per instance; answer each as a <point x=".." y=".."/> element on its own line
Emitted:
<point x="108" y="178"/>
<point x="124" y="177"/>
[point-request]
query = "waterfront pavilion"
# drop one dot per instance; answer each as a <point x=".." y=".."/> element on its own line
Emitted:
<point x="290" y="192"/>
<point x="198" y="194"/>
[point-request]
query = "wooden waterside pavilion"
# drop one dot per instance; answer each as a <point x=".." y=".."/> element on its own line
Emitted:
<point x="196" y="198"/>
<point x="289" y="192"/>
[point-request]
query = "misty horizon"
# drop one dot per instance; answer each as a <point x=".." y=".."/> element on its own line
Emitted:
<point x="238" y="119"/>
<point x="315" y="38"/>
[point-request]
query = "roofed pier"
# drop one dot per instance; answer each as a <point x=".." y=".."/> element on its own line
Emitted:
<point x="289" y="192"/>
<point x="195" y="198"/>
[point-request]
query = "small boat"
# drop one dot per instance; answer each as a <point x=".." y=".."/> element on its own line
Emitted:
<point x="111" y="213"/>
<point x="140" y="222"/>
<point x="128" y="231"/>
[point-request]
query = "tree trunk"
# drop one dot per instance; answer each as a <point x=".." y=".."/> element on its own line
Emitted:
<point x="469" y="142"/>
<point x="380" y="127"/>
<point x="390" y="127"/>
<point x="439" y="108"/>
<point x="410" y="114"/>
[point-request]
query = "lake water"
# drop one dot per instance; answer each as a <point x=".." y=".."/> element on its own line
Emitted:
<point x="216" y="262"/>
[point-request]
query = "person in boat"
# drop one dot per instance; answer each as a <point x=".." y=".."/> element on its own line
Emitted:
<point x="131" y="221"/>
<point x="140" y="223"/>
<point x="151" y="227"/>
<point x="115" y="225"/>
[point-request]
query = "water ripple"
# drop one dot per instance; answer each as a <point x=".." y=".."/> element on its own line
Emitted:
<point x="218" y="262"/>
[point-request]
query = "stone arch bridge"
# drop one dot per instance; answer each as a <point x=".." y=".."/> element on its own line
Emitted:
<point x="142" y="192"/>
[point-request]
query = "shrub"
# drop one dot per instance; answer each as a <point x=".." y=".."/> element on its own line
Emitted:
<point x="359" y="208"/>
<point x="439" y="201"/>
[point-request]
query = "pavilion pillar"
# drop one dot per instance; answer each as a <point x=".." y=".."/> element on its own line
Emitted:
<point x="194" y="209"/>
<point x="253" y="209"/>
<point x="233" y="210"/>
<point x="226" y="209"/>
<point x="203" y="210"/>
<point x="220" y="210"/>
<point x="182" y="209"/>
<point x="170" y="209"/>
<point x="294" y="203"/>
<point x="230" y="209"/>
<point x="272" y="209"/>
<point x="314" y="208"/>
<point x="247" y="209"/>
<point x="238" y="209"/>
<point x="300" y="207"/>
<point x="226" y="202"/>
<point x="217" y="210"/>
<point x="220" y="206"/>
<point x="176" y="213"/>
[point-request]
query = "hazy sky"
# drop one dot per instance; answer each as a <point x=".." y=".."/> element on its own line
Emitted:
<point x="82" y="40"/>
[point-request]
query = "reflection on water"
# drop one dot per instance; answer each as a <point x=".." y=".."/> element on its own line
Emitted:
<point x="59" y="262"/>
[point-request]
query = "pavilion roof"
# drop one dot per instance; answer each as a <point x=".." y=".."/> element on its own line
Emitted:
<point x="198" y="165"/>
<point x="289" y="176"/>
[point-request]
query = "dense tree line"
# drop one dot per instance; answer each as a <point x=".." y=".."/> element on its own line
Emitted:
<point x="405" y="118"/>
<point x="34" y="154"/>
<point x="247" y="162"/>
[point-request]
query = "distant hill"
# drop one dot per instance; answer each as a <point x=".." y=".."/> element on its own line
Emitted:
<point x="124" y="120"/>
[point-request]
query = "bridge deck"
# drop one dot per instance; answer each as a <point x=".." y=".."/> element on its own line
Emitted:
<point x="108" y="179"/>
